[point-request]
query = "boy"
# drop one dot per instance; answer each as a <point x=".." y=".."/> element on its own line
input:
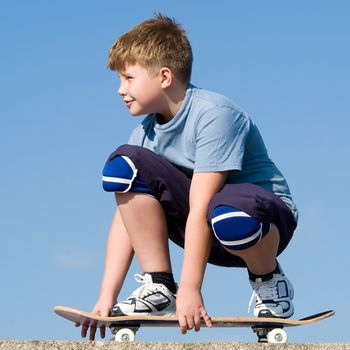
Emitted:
<point x="196" y="171"/>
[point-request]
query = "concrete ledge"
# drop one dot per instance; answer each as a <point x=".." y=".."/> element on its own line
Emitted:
<point x="103" y="345"/>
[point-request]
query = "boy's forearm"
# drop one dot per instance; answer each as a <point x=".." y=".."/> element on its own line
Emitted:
<point x="119" y="255"/>
<point x="198" y="236"/>
<point x="198" y="240"/>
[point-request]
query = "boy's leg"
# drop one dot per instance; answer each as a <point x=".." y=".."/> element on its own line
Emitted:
<point x="261" y="257"/>
<point x="146" y="224"/>
<point x="272" y="290"/>
<point x="142" y="206"/>
<point x="256" y="226"/>
<point x="166" y="183"/>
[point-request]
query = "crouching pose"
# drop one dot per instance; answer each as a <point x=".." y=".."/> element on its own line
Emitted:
<point x="195" y="171"/>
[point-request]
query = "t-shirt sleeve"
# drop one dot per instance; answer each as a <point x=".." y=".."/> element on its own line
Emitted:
<point x="221" y="136"/>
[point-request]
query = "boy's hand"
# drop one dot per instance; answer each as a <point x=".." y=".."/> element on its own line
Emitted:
<point x="102" y="308"/>
<point x="190" y="309"/>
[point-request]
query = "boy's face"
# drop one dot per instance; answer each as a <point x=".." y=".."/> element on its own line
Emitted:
<point x="140" y="90"/>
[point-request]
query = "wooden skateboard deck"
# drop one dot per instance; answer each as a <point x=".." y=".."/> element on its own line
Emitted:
<point x="125" y="327"/>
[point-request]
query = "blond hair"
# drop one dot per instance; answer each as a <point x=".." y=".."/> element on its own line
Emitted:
<point x="153" y="44"/>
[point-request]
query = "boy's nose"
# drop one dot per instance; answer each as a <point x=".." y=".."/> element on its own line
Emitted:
<point x="121" y="90"/>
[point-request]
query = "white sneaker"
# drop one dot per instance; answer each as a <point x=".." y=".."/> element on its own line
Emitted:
<point x="151" y="299"/>
<point x="273" y="297"/>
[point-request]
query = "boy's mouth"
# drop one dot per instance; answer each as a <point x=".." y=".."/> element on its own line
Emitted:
<point x="128" y="102"/>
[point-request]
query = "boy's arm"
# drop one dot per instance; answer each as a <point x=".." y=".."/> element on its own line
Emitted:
<point x="119" y="255"/>
<point x="198" y="239"/>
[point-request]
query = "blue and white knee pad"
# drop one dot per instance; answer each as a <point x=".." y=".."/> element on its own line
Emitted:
<point x="235" y="229"/>
<point x="120" y="175"/>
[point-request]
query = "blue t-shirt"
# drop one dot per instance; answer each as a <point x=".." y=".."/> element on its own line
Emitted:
<point x="210" y="133"/>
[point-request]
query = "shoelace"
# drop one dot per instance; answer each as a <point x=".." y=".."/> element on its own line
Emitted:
<point x="262" y="291"/>
<point x="146" y="289"/>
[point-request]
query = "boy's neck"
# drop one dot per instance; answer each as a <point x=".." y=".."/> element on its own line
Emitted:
<point x="174" y="98"/>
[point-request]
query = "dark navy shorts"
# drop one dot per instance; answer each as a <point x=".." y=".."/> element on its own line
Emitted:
<point x="171" y="186"/>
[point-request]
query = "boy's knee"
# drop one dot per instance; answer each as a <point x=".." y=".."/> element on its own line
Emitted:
<point x="235" y="229"/>
<point x="121" y="175"/>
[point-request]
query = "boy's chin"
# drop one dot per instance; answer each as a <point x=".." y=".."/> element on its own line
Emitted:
<point x="138" y="113"/>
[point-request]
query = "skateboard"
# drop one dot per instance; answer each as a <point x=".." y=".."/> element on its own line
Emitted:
<point x="124" y="328"/>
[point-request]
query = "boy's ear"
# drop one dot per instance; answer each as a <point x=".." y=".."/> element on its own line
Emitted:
<point x="166" y="77"/>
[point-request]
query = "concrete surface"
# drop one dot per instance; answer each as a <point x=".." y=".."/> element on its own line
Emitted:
<point x="103" y="345"/>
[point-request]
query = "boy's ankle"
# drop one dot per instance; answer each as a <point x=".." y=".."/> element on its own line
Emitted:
<point x="165" y="278"/>
<point x="265" y="277"/>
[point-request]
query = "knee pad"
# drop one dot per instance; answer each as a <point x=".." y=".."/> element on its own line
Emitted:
<point x="235" y="229"/>
<point x="120" y="175"/>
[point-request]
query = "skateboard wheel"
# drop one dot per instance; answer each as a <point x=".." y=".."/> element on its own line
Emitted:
<point x="277" y="335"/>
<point x="124" y="335"/>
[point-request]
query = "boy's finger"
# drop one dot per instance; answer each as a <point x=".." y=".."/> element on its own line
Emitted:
<point x="197" y="324"/>
<point x="84" y="330"/>
<point x="190" y="323"/>
<point x="183" y="324"/>
<point x="206" y="318"/>
<point x="103" y="331"/>
<point x="92" y="332"/>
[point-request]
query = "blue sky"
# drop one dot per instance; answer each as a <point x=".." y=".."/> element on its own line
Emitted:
<point x="285" y="63"/>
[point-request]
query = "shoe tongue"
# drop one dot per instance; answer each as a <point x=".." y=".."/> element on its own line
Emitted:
<point x="147" y="278"/>
<point x="264" y="278"/>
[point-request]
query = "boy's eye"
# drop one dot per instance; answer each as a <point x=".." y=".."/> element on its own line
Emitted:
<point x="125" y="77"/>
